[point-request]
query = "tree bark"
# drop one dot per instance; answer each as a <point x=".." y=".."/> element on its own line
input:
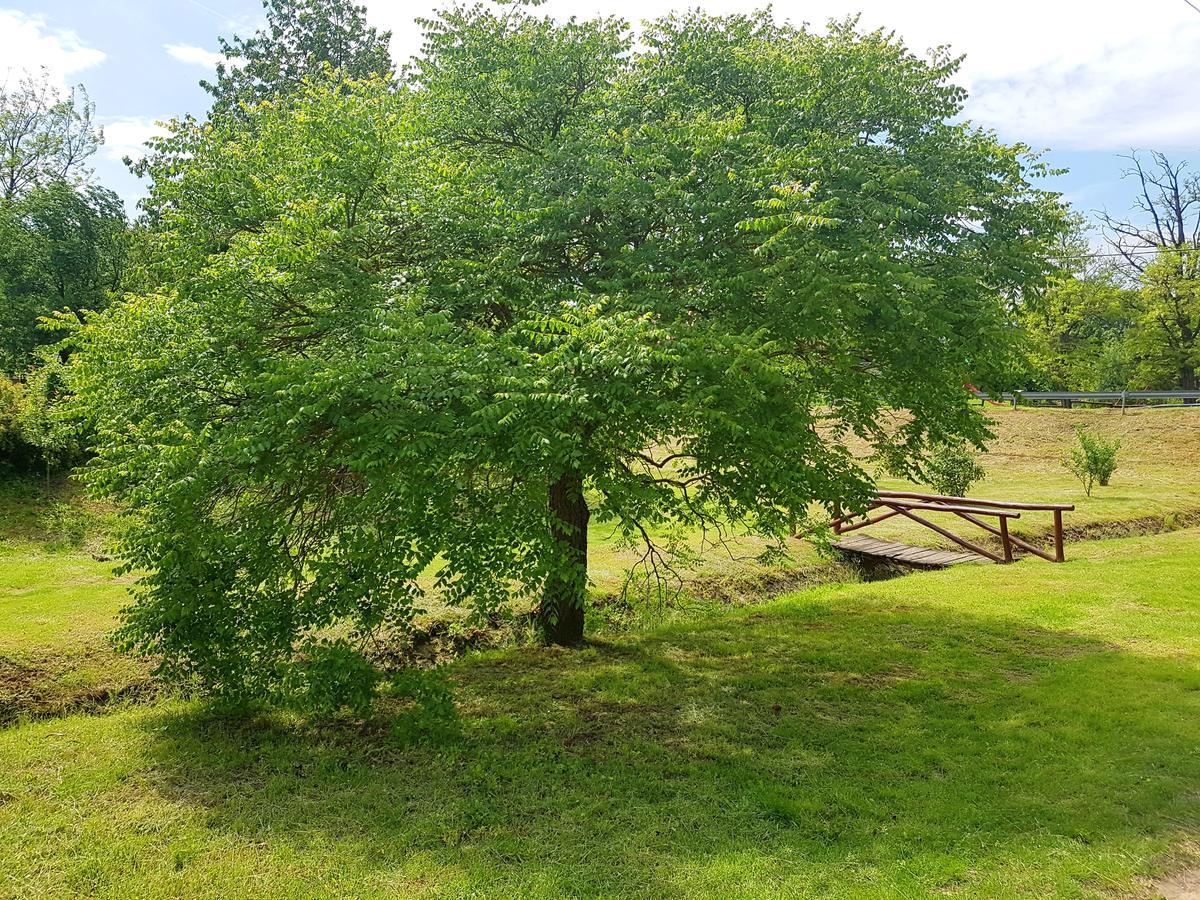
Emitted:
<point x="1188" y="381"/>
<point x="560" y="614"/>
<point x="1187" y="378"/>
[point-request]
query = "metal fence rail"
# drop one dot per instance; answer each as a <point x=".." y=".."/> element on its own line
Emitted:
<point x="1113" y="398"/>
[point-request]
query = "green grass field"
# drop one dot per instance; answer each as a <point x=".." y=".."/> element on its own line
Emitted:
<point x="985" y="731"/>
<point x="1030" y="730"/>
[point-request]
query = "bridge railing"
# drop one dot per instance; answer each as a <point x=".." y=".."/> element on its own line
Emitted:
<point x="971" y="509"/>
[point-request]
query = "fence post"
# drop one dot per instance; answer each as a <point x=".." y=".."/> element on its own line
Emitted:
<point x="1008" y="555"/>
<point x="1058" y="536"/>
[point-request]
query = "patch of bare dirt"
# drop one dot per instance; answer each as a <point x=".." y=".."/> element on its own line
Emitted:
<point x="1182" y="885"/>
<point x="44" y="688"/>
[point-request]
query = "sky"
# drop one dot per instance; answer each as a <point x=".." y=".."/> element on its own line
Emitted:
<point x="1086" y="80"/>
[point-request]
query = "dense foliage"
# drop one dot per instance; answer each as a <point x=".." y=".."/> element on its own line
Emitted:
<point x="1167" y="336"/>
<point x="1098" y="331"/>
<point x="952" y="468"/>
<point x="417" y="336"/>
<point x="62" y="247"/>
<point x="1092" y="459"/>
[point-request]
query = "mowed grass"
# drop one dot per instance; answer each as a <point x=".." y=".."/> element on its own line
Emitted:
<point x="1031" y="730"/>
<point x="56" y="609"/>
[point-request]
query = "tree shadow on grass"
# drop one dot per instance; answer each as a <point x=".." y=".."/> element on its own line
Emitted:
<point x="804" y="750"/>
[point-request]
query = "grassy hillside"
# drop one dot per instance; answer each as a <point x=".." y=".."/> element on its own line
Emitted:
<point x="986" y="731"/>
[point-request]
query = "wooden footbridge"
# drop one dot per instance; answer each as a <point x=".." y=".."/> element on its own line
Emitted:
<point x="992" y="516"/>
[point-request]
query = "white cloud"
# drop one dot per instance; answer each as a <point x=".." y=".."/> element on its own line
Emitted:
<point x="127" y="136"/>
<point x="194" y="56"/>
<point x="28" y="44"/>
<point x="1070" y="74"/>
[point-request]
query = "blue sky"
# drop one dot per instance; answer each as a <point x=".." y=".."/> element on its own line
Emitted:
<point x="1087" y="79"/>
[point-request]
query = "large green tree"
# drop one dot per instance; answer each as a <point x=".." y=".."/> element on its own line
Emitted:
<point x="1158" y="248"/>
<point x="559" y="277"/>
<point x="1167" y="333"/>
<point x="61" y="237"/>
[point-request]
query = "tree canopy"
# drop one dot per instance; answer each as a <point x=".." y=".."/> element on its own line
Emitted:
<point x="44" y="136"/>
<point x="61" y="236"/>
<point x="417" y="337"/>
<point x="301" y="39"/>
<point x="62" y="247"/>
<point x="1168" y="325"/>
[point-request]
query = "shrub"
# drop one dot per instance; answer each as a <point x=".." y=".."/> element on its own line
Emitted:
<point x="65" y="525"/>
<point x="1093" y="459"/>
<point x="34" y="437"/>
<point x="952" y="469"/>
<point x="17" y="451"/>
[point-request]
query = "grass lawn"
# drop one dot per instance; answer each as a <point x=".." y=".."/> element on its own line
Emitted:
<point x="55" y="610"/>
<point x="1020" y="731"/>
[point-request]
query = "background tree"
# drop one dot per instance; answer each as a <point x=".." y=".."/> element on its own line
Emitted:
<point x="1078" y="331"/>
<point x="63" y="248"/>
<point x="301" y="38"/>
<point x="1166" y="235"/>
<point x="44" y="136"/>
<point x="563" y="278"/>
<point x="1168" y="201"/>
<point x="1167" y="334"/>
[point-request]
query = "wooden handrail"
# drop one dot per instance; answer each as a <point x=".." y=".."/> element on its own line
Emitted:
<point x="976" y="501"/>
<point x="999" y="532"/>
<point x="962" y="542"/>
<point x="946" y="507"/>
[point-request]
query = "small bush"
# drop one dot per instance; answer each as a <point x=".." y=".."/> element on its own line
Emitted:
<point x="952" y="469"/>
<point x="66" y="526"/>
<point x="333" y="677"/>
<point x="1092" y="460"/>
<point x="17" y="452"/>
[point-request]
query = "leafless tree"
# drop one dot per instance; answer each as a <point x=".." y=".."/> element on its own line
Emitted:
<point x="1165" y="214"/>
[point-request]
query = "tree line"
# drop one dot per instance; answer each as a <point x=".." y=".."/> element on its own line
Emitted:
<point x="1126" y="314"/>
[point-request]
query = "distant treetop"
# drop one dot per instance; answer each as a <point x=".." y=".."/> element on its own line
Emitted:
<point x="302" y="39"/>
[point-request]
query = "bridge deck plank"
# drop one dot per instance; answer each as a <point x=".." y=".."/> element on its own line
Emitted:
<point x="923" y="557"/>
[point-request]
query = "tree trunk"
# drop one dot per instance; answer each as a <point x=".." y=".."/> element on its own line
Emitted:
<point x="1187" y="380"/>
<point x="560" y="614"/>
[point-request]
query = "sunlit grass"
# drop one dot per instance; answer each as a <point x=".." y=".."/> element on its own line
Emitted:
<point x="986" y="731"/>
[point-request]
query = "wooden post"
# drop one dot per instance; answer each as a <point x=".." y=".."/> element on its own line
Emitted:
<point x="1008" y="556"/>
<point x="1058" y="536"/>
